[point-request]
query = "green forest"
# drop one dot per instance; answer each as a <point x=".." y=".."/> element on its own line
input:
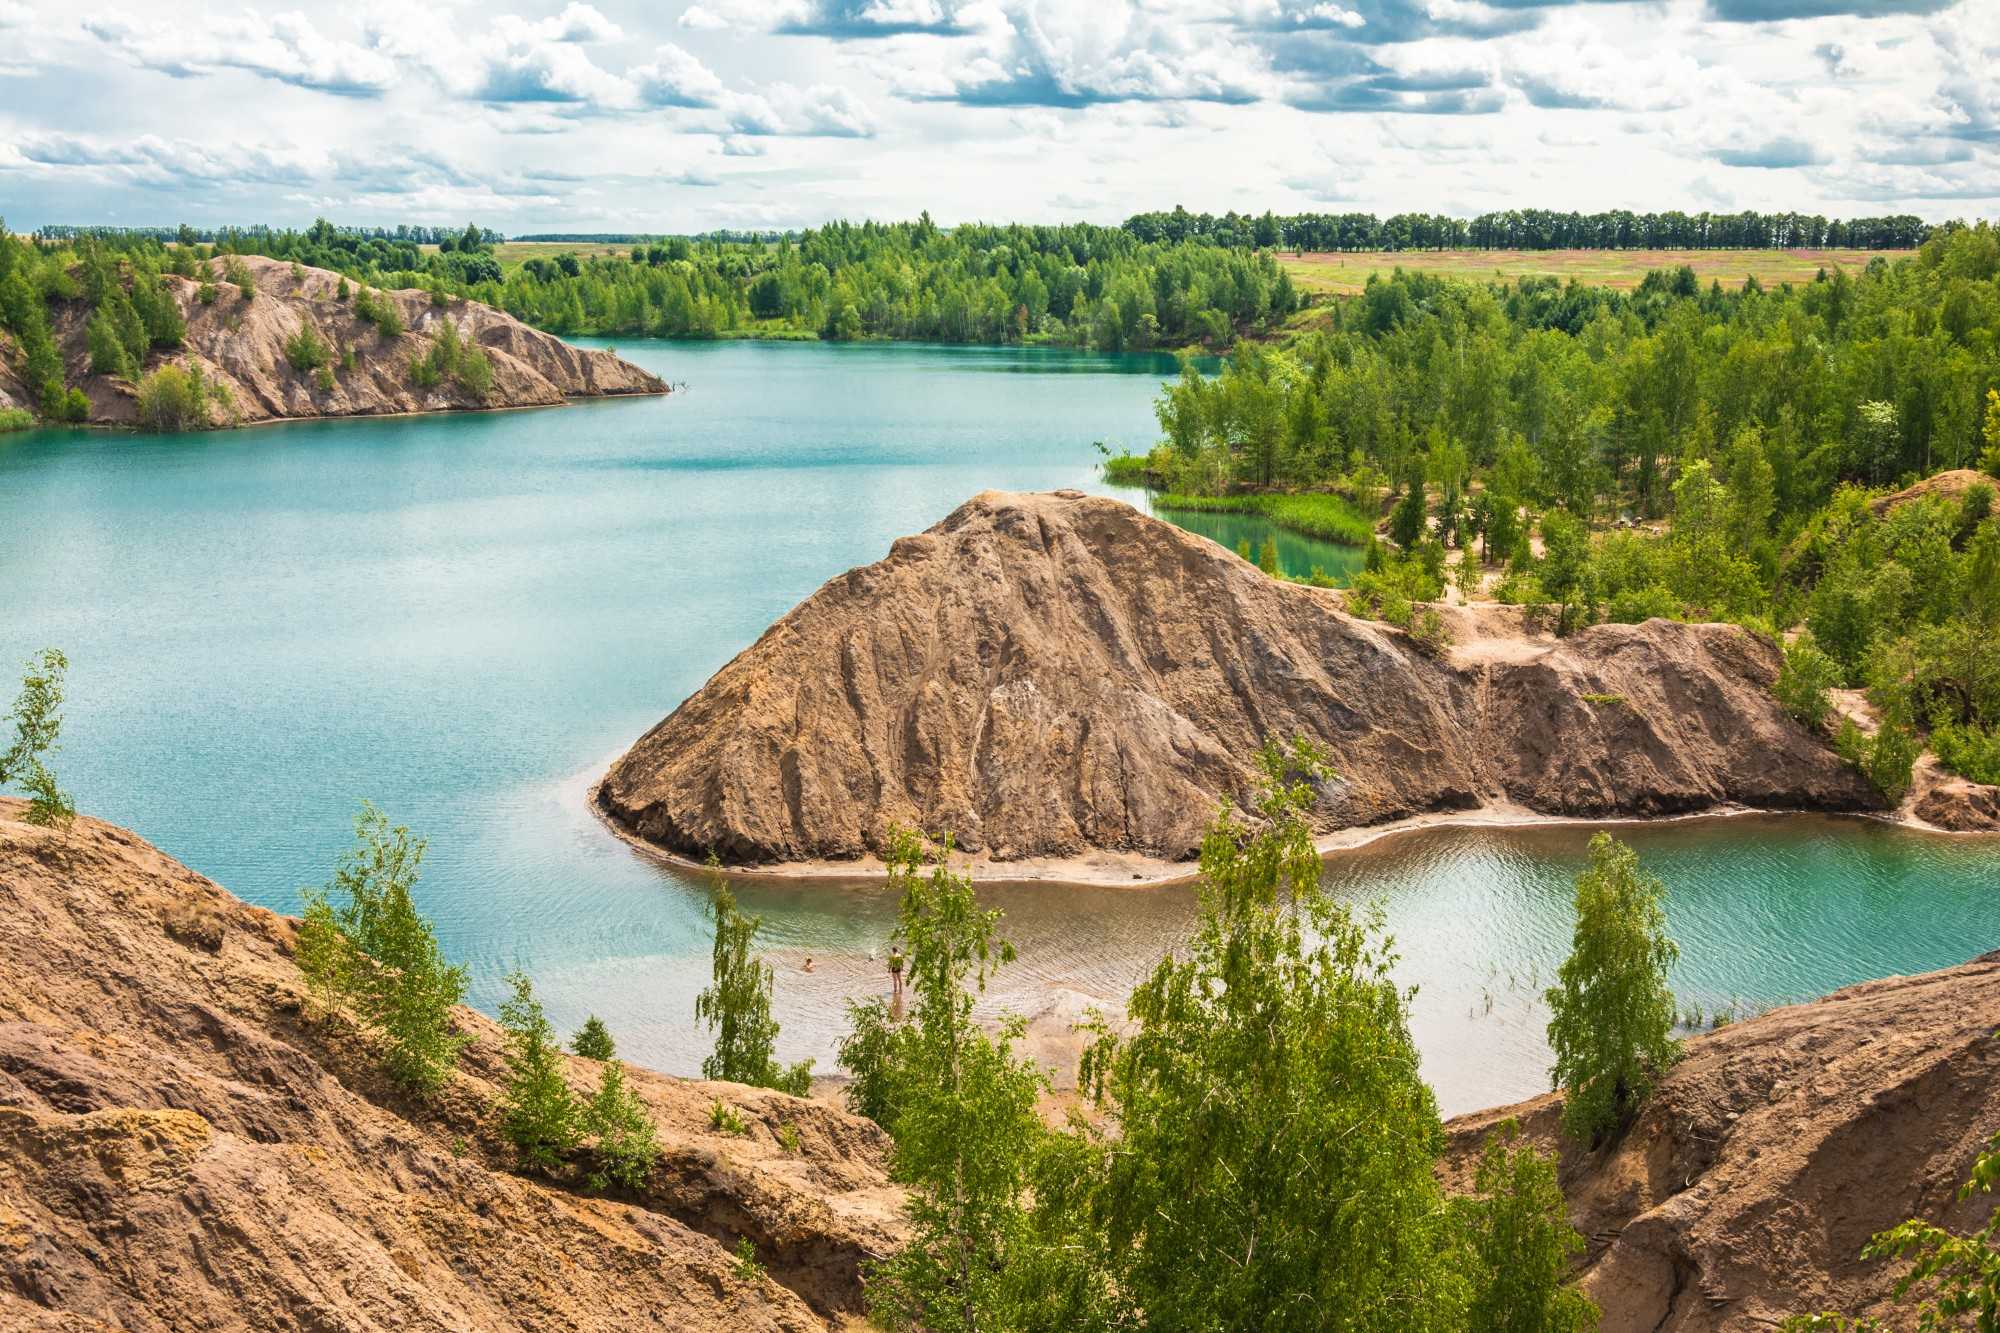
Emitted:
<point x="1680" y="452"/>
<point x="1081" y="286"/>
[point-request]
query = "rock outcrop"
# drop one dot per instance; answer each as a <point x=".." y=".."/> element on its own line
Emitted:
<point x="180" y="1148"/>
<point x="240" y="345"/>
<point x="1048" y="675"/>
<point x="1746" y="1188"/>
<point x="1948" y="485"/>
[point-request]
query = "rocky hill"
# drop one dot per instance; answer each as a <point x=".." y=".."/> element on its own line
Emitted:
<point x="1054" y="675"/>
<point x="239" y="345"/>
<point x="181" y="1149"/>
<point x="1767" y="1158"/>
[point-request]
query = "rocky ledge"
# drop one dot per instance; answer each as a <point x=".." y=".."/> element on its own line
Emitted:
<point x="1056" y="675"/>
<point x="240" y="346"/>
<point x="1763" y="1163"/>
<point x="180" y="1148"/>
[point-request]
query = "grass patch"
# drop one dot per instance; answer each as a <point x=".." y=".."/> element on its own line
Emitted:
<point x="1327" y="517"/>
<point x="1127" y="469"/>
<point x="1604" y="700"/>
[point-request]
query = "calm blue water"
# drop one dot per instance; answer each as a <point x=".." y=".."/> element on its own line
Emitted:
<point x="465" y="618"/>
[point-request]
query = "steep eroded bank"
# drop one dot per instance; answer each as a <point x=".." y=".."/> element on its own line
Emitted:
<point x="180" y="1148"/>
<point x="1748" y="1185"/>
<point x="1053" y="675"/>
<point x="240" y="346"/>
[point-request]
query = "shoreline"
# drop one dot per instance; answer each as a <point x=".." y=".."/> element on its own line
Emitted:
<point x="1132" y="870"/>
<point x="568" y="400"/>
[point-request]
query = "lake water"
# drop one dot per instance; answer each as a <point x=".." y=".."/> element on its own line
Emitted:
<point x="465" y="618"/>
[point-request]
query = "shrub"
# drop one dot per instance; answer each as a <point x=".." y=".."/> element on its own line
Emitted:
<point x="37" y="723"/>
<point x="723" y="1119"/>
<point x="540" y="1117"/>
<point x="363" y="944"/>
<point x="15" y="418"/>
<point x="238" y="274"/>
<point x="306" y="350"/>
<point x="205" y="293"/>
<point x="627" y="1142"/>
<point x="593" y="1040"/>
<point x="746" y="1268"/>
<point x="1518" y="1228"/>
<point x="172" y="399"/>
<point x="1886" y="759"/>
<point x="1968" y="750"/>
<point x="1803" y="683"/>
<point x="1429" y="632"/>
<point x="323" y="379"/>
<point x="1612" y="1016"/>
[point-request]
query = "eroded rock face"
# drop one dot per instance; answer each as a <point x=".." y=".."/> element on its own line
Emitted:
<point x="241" y="345"/>
<point x="1746" y="1188"/>
<point x="180" y="1148"/>
<point x="1044" y="675"/>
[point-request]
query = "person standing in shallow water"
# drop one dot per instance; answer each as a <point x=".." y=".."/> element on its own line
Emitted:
<point x="896" y="980"/>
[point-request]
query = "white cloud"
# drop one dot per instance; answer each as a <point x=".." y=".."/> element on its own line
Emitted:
<point x="821" y="110"/>
<point x="286" y="47"/>
<point x="993" y="108"/>
<point x="675" y="78"/>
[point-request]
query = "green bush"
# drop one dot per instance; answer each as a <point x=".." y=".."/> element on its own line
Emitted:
<point x="364" y="946"/>
<point x="1803" y="683"/>
<point x="1517" y="1224"/>
<point x="37" y="723"/>
<point x="306" y="350"/>
<point x="15" y="418"/>
<point x="593" y="1040"/>
<point x="540" y="1115"/>
<point x="235" y="271"/>
<point x="172" y="398"/>
<point x="627" y="1142"/>
<point x="1970" y="751"/>
<point x="724" y="1119"/>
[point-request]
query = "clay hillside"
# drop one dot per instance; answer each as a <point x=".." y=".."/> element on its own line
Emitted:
<point x="1746" y="1189"/>
<point x="181" y="1149"/>
<point x="1053" y="675"/>
<point x="240" y="346"/>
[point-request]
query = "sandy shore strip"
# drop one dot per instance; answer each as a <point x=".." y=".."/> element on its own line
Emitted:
<point x="1107" y="869"/>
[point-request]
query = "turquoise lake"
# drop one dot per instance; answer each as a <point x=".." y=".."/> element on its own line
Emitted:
<point x="465" y="618"/>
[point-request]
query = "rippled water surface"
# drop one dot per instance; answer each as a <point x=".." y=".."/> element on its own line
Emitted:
<point x="465" y="618"/>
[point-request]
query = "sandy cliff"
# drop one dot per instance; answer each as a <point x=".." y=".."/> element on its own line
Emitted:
<point x="1052" y="675"/>
<point x="241" y="345"/>
<point x="180" y="1149"/>
<point x="1767" y="1158"/>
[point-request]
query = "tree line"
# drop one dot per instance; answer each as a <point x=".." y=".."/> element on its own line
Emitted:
<point x="1531" y="229"/>
<point x="1074" y="285"/>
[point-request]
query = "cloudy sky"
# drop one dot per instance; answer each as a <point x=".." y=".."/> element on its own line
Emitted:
<point x="614" y="115"/>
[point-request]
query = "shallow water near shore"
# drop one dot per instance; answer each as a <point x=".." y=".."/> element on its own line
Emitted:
<point x="465" y="618"/>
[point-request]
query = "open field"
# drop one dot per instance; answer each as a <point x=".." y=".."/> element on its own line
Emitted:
<point x="1346" y="274"/>
<point x="512" y="254"/>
